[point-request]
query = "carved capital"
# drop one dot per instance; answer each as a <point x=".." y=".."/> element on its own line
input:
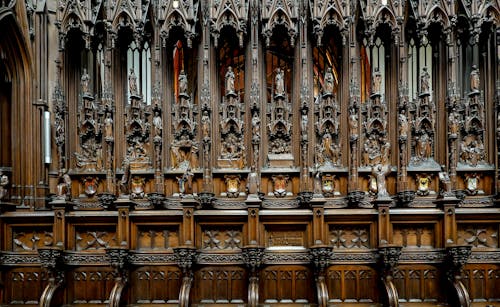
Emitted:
<point x="156" y="199"/>
<point x="185" y="257"/>
<point x="50" y="257"/>
<point x="320" y="255"/>
<point x="389" y="257"/>
<point x="118" y="257"/>
<point x="205" y="199"/>
<point x="252" y="256"/>
<point x="107" y="199"/>
<point x="457" y="256"/>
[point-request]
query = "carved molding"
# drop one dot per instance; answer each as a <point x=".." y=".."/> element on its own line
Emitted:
<point x="218" y="259"/>
<point x="152" y="259"/>
<point x="286" y="257"/>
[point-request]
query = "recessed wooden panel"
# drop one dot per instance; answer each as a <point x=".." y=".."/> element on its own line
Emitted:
<point x="221" y="237"/>
<point x="352" y="283"/>
<point x="227" y="284"/>
<point x="90" y="285"/>
<point x="155" y="285"/>
<point x="478" y="235"/>
<point x="24" y="286"/>
<point x="286" y="284"/>
<point x="419" y="283"/>
<point x="349" y="236"/>
<point x="88" y="238"/>
<point x="483" y="282"/>
<point x="414" y="235"/>
<point x="157" y="237"/>
<point x="280" y="235"/>
<point x="31" y="238"/>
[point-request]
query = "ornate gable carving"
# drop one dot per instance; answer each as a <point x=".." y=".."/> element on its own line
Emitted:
<point x="230" y="13"/>
<point x="333" y="12"/>
<point x="280" y="12"/>
<point x="178" y="14"/>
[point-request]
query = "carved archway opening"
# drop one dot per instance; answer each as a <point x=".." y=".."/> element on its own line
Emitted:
<point x="327" y="72"/>
<point x="20" y="130"/>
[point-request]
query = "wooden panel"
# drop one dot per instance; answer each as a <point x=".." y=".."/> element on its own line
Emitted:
<point x="352" y="283"/>
<point x="30" y="238"/>
<point x="414" y="235"/>
<point x="221" y="237"/>
<point x="482" y="282"/>
<point x="24" y="285"/>
<point x="220" y="285"/>
<point x="349" y="236"/>
<point x="94" y="237"/>
<point x="90" y="285"/>
<point x="418" y="283"/>
<point x="286" y="284"/>
<point x="280" y="235"/>
<point x="155" y="284"/>
<point x="157" y="237"/>
<point x="479" y="235"/>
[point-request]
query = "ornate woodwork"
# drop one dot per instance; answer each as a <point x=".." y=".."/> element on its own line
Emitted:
<point x="216" y="153"/>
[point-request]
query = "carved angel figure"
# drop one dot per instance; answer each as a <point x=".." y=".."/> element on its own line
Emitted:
<point x="229" y="80"/>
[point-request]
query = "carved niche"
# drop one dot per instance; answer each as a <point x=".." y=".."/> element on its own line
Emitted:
<point x="137" y="128"/>
<point x="184" y="149"/>
<point x="471" y="137"/>
<point x="90" y="123"/>
<point x="328" y="148"/>
<point x="279" y="12"/>
<point x="376" y="146"/>
<point x="233" y="151"/>
<point x="423" y="113"/>
<point x="279" y="113"/>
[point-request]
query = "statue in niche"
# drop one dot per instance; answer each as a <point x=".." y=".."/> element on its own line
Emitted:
<point x="279" y="82"/>
<point x="157" y="124"/>
<point x="379" y="171"/>
<point x="182" y="82"/>
<point x="371" y="150"/>
<point x="424" y="146"/>
<point x="85" y="80"/>
<point x="377" y="81"/>
<point x="132" y="82"/>
<point x="403" y="125"/>
<point x="229" y="81"/>
<point x="474" y="79"/>
<point x="253" y="182"/>
<point x="472" y="151"/>
<point x="303" y="124"/>
<point x="125" y="180"/>
<point x="425" y="81"/>
<point x="453" y="123"/>
<point x="444" y="183"/>
<point x="64" y="185"/>
<point x="353" y="123"/>
<point x="330" y="152"/>
<point x="318" y="188"/>
<point x="205" y="125"/>
<point x="4" y="182"/>
<point x="186" y="182"/>
<point x="108" y="127"/>
<point x="328" y="81"/>
<point x="256" y="127"/>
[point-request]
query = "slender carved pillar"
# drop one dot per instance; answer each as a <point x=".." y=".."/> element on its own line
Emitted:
<point x="123" y="230"/>
<point x="320" y="256"/>
<point x="51" y="259"/>
<point x="389" y="258"/>
<point x="185" y="257"/>
<point x="384" y="221"/>
<point x="118" y="260"/>
<point x="252" y="256"/>
<point x="456" y="258"/>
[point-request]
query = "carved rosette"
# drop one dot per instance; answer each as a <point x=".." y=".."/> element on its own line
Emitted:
<point x="185" y="257"/>
<point x="252" y="256"/>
